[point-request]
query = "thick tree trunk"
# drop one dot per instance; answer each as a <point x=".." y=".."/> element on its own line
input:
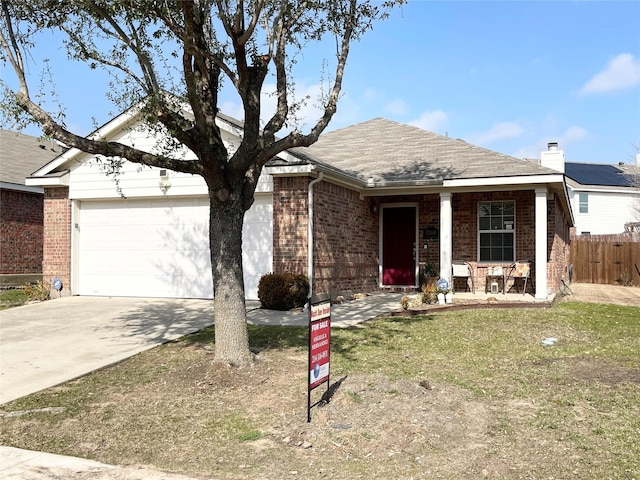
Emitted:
<point x="225" y="240"/>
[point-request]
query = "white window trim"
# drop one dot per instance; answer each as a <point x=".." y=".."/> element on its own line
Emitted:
<point x="512" y="231"/>
<point x="581" y="203"/>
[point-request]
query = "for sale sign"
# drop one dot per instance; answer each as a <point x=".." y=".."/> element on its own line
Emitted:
<point x="319" y="345"/>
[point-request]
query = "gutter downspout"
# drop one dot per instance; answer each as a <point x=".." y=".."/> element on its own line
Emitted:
<point x="310" y="232"/>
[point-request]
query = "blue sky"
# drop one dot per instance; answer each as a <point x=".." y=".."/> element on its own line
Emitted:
<point x="509" y="76"/>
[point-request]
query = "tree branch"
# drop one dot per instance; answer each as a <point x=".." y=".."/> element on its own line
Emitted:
<point x="110" y="149"/>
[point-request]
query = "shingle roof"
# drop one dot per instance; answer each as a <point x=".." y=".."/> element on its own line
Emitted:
<point x="393" y="152"/>
<point x="599" y="174"/>
<point x="21" y="155"/>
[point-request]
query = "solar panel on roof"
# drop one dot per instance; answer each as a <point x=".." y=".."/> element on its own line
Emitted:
<point x="596" y="174"/>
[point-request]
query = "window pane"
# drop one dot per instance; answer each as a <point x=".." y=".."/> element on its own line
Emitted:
<point x="496" y="209"/>
<point x="496" y="239"/>
<point x="509" y="208"/>
<point x="496" y="223"/>
<point x="508" y="240"/>
<point x="485" y="223"/>
<point x="485" y="255"/>
<point x="508" y="255"/>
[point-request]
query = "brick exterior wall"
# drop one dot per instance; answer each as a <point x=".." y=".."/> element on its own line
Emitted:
<point x="345" y="240"/>
<point x="290" y="224"/>
<point x="346" y="233"/>
<point x="57" y="237"/>
<point x="558" y="245"/>
<point x="21" y="232"/>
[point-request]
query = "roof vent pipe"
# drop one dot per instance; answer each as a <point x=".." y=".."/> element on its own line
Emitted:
<point x="552" y="146"/>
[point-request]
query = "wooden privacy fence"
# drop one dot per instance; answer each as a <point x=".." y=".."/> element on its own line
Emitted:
<point x="606" y="259"/>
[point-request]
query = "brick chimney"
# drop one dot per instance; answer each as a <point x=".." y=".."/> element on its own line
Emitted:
<point x="552" y="157"/>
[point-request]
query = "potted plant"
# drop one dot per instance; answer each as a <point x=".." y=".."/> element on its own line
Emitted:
<point x="428" y="275"/>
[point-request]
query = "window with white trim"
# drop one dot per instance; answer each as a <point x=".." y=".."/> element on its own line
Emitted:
<point x="583" y="199"/>
<point x="496" y="231"/>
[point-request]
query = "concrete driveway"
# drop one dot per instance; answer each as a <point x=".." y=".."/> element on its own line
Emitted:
<point x="45" y="344"/>
<point x="48" y="343"/>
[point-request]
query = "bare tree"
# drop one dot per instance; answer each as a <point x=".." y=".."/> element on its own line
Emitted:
<point x="210" y="41"/>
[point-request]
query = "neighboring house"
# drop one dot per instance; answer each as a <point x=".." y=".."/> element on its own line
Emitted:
<point x="21" y="206"/>
<point x="360" y="210"/>
<point x="604" y="198"/>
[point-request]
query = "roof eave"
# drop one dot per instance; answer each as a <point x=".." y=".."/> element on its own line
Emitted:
<point x="20" y="188"/>
<point x="503" y="181"/>
<point x="59" y="179"/>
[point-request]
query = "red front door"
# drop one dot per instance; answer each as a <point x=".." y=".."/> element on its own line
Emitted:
<point x="398" y="245"/>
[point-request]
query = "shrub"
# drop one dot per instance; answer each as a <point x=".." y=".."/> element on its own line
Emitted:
<point x="36" y="291"/>
<point x="429" y="293"/>
<point x="283" y="291"/>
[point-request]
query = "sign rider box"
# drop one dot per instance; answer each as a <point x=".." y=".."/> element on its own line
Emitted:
<point x="319" y="347"/>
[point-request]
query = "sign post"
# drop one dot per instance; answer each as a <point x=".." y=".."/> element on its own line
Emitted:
<point x="319" y="346"/>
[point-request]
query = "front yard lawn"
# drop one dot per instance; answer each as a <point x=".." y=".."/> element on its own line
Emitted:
<point x="459" y="394"/>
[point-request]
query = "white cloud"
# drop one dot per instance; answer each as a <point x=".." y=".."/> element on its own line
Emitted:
<point x="500" y="131"/>
<point x="622" y="72"/>
<point x="397" y="107"/>
<point x="571" y="135"/>
<point x="432" y="121"/>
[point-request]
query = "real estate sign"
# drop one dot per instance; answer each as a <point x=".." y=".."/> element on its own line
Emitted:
<point x="319" y="346"/>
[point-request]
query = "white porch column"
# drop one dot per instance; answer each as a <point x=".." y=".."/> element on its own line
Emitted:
<point x="541" y="243"/>
<point x="446" y="231"/>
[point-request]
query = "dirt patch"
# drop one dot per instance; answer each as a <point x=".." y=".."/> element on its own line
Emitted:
<point x="609" y="294"/>
<point x="594" y="370"/>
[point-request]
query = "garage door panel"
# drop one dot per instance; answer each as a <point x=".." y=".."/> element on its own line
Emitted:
<point x="160" y="248"/>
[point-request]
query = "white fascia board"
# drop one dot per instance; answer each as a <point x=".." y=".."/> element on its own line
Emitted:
<point x="48" y="181"/>
<point x="119" y="122"/>
<point x="20" y="188"/>
<point x="567" y="202"/>
<point x="289" y="170"/>
<point x="604" y="189"/>
<point x="503" y="181"/>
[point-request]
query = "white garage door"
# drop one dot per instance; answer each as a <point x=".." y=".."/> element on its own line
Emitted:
<point x="160" y="247"/>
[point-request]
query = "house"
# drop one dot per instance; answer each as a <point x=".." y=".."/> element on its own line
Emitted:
<point x="362" y="209"/>
<point x="21" y="211"/>
<point x="388" y="197"/>
<point x="605" y="198"/>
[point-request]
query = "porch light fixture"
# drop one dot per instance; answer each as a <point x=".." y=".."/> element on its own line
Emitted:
<point x="164" y="184"/>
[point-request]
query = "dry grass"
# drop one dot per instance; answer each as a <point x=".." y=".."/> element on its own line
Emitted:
<point x="463" y="395"/>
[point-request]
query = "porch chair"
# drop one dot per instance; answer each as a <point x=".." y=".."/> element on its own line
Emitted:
<point x="520" y="271"/>
<point x="462" y="270"/>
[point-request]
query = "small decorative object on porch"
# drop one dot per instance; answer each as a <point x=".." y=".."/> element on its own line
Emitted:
<point x="443" y="290"/>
